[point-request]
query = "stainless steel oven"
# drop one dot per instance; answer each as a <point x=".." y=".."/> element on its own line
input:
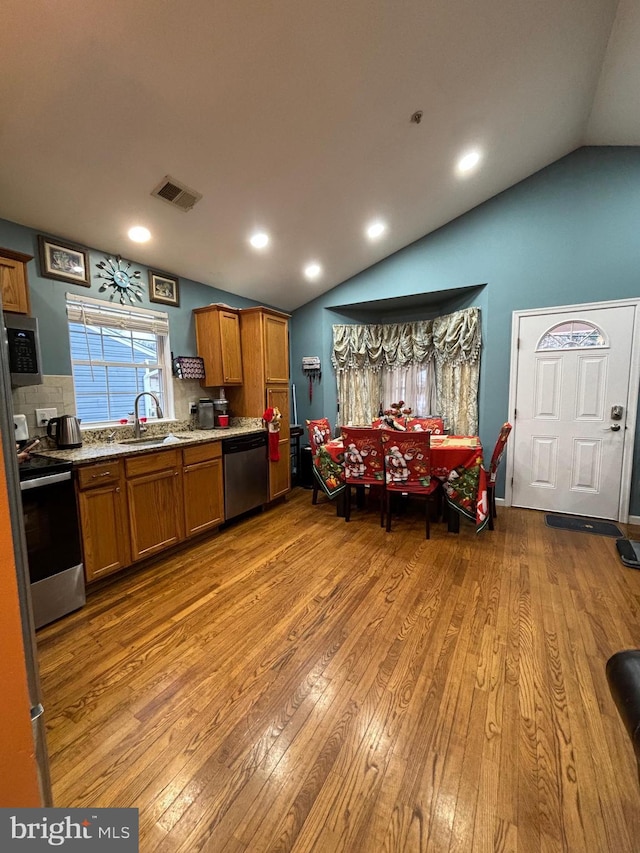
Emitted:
<point x="53" y="538"/>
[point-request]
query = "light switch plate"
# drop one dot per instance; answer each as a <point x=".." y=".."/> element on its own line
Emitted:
<point x="43" y="416"/>
<point x="21" y="433"/>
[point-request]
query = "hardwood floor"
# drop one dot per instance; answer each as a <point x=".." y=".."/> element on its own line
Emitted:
<point x="297" y="683"/>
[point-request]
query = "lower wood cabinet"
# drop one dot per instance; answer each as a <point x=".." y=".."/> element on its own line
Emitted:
<point x="136" y="507"/>
<point x="103" y="519"/>
<point x="203" y="488"/>
<point x="154" y="494"/>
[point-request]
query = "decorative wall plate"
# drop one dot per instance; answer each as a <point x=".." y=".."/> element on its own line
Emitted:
<point x="118" y="275"/>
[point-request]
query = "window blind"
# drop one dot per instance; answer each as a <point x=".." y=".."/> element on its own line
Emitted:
<point x="97" y="312"/>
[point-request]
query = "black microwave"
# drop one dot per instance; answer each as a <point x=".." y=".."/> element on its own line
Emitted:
<point x="25" y="363"/>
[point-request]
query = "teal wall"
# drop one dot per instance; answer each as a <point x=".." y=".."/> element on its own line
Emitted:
<point x="568" y="234"/>
<point x="48" y="301"/>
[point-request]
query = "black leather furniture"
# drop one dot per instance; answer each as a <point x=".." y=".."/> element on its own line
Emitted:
<point x="623" y="675"/>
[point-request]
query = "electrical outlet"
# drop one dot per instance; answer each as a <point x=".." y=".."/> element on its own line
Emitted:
<point x="43" y="416"/>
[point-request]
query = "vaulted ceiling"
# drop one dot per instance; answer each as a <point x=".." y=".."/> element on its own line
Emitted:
<point x="294" y="117"/>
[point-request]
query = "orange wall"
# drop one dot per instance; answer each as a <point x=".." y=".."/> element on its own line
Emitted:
<point x="18" y="778"/>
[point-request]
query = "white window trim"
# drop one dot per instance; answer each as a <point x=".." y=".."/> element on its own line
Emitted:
<point x="164" y="347"/>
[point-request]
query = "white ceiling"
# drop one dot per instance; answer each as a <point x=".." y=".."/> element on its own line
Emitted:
<point x="294" y="116"/>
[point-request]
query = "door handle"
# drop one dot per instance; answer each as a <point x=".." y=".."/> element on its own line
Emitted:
<point x="614" y="427"/>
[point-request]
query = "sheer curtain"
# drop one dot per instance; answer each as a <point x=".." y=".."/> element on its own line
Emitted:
<point x="433" y="365"/>
<point x="375" y="363"/>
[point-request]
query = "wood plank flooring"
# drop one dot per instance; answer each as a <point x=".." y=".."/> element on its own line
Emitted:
<point x="298" y="683"/>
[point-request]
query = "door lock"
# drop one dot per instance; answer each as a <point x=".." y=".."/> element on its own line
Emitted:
<point x="616" y="413"/>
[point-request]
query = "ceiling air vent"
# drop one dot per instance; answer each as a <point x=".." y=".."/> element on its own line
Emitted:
<point x="176" y="194"/>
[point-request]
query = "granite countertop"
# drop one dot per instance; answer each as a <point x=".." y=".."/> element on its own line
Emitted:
<point x="97" y="450"/>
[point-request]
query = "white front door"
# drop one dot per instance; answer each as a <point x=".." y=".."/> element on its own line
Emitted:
<point x="573" y="368"/>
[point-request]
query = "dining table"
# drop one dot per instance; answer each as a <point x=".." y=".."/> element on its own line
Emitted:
<point x="456" y="460"/>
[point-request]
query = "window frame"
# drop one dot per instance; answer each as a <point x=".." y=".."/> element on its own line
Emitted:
<point x="75" y="303"/>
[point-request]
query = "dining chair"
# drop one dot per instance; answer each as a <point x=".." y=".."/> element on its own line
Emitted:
<point x="319" y="433"/>
<point x="407" y="465"/>
<point x="492" y="473"/>
<point x="434" y="425"/>
<point x="363" y="463"/>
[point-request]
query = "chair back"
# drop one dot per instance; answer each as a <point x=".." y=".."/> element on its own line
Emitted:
<point x="363" y="457"/>
<point x="319" y="433"/>
<point x="407" y="461"/>
<point x="498" y="451"/>
<point x="433" y="425"/>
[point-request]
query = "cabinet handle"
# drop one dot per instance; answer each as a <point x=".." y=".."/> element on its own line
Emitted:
<point x="104" y="474"/>
<point x="117" y="490"/>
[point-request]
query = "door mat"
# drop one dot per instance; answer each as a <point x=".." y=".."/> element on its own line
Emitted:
<point x="583" y="525"/>
<point x="629" y="551"/>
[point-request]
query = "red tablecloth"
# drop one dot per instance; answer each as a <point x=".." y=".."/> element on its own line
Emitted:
<point x="456" y="460"/>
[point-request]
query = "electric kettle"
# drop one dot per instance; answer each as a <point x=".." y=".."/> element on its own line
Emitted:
<point x="65" y="431"/>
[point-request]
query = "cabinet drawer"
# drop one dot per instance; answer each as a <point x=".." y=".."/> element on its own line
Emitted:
<point x="101" y="474"/>
<point x="202" y="452"/>
<point x="151" y="463"/>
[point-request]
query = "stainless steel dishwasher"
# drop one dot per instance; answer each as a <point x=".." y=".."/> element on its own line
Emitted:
<point x="246" y="473"/>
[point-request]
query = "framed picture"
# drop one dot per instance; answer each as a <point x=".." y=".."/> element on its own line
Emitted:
<point x="63" y="261"/>
<point x="164" y="288"/>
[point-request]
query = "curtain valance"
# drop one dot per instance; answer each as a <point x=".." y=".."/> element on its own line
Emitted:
<point x="457" y="338"/>
<point x="376" y="346"/>
<point x="454" y="339"/>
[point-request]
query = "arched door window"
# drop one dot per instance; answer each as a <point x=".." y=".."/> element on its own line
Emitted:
<point x="572" y="334"/>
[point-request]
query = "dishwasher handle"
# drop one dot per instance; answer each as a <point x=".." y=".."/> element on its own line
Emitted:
<point x="242" y="443"/>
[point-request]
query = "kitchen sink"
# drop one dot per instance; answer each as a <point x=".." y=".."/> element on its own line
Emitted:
<point x="158" y="439"/>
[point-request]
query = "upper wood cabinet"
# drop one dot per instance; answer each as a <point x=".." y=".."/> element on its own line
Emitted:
<point x="276" y="348"/>
<point x="218" y="344"/>
<point x="14" y="283"/>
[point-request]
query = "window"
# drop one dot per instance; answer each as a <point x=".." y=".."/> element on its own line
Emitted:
<point x="572" y="334"/>
<point x="117" y="352"/>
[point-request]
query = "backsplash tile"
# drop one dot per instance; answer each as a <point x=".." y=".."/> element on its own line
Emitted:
<point x="57" y="392"/>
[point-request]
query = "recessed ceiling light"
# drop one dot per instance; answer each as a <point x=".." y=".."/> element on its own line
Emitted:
<point x="312" y="270"/>
<point x="468" y="162"/>
<point x="375" y="230"/>
<point x="259" y="240"/>
<point x="139" y="234"/>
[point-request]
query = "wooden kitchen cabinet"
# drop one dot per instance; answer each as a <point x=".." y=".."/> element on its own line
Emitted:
<point x="264" y="335"/>
<point x="103" y="519"/>
<point x="280" y="472"/>
<point x="14" y="283"/>
<point x="218" y="344"/>
<point x="203" y="487"/>
<point x="155" y="502"/>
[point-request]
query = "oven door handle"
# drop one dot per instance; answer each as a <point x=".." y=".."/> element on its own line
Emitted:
<point x="47" y="480"/>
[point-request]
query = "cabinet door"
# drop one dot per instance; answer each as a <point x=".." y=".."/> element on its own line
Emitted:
<point x="280" y="472"/>
<point x="13" y="285"/>
<point x="276" y="348"/>
<point x="203" y="496"/>
<point x="218" y="344"/>
<point x="230" y="348"/>
<point x="155" y="512"/>
<point x="105" y="538"/>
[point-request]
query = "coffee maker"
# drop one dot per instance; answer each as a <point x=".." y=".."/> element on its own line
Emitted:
<point x="205" y="413"/>
<point x="221" y="411"/>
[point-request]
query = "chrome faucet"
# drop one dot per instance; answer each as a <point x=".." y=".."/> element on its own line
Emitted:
<point x="138" y="428"/>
